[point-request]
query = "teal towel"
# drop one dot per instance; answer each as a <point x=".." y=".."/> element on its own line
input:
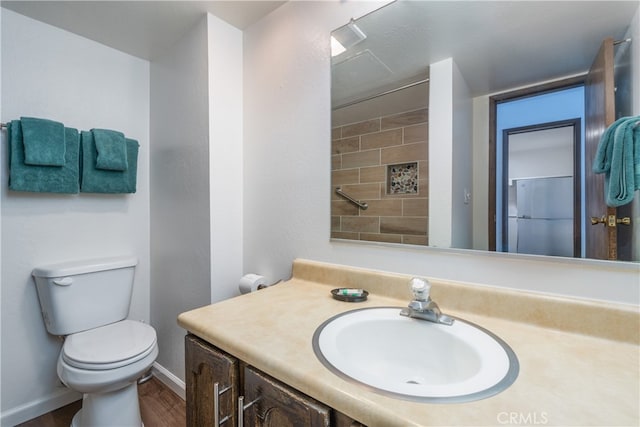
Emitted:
<point x="111" y="148"/>
<point x="43" y="142"/>
<point x="96" y="180"/>
<point x="636" y="155"/>
<point x="618" y="156"/>
<point x="35" y="178"/>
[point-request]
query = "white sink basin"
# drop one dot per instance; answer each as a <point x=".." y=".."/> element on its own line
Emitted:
<point x="415" y="359"/>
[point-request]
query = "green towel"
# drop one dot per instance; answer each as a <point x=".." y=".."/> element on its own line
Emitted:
<point x="96" y="180"/>
<point x="618" y="156"/>
<point x="43" y="142"/>
<point x="636" y="155"/>
<point x="36" y="178"/>
<point x="111" y="148"/>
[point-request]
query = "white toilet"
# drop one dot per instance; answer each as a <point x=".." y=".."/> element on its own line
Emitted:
<point x="103" y="354"/>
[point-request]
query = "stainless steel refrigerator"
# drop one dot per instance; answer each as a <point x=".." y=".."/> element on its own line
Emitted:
<point x="541" y="216"/>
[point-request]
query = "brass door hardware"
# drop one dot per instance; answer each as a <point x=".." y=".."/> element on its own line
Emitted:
<point x="626" y="220"/>
<point x="610" y="220"/>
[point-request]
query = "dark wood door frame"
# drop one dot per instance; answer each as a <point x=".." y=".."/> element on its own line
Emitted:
<point x="493" y="106"/>
<point x="577" y="176"/>
<point x="601" y="242"/>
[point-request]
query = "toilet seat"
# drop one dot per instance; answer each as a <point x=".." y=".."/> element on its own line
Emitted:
<point x="110" y="346"/>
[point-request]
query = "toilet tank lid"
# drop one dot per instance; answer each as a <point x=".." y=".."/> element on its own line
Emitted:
<point x="71" y="268"/>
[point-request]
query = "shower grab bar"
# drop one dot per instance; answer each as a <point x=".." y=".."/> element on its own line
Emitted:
<point x="358" y="203"/>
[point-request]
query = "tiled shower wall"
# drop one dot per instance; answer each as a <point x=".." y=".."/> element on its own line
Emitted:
<point x="362" y="155"/>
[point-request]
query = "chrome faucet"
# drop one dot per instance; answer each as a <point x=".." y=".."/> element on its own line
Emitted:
<point x="422" y="306"/>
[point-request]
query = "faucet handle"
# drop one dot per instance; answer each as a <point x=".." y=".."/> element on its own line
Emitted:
<point x="420" y="288"/>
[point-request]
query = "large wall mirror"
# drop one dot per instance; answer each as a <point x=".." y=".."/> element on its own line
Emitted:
<point x="441" y="110"/>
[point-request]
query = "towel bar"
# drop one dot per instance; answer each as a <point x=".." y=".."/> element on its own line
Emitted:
<point x="358" y="203"/>
<point x="3" y="125"/>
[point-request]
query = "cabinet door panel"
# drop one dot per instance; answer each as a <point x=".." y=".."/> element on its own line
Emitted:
<point x="204" y="366"/>
<point x="341" y="420"/>
<point x="277" y="405"/>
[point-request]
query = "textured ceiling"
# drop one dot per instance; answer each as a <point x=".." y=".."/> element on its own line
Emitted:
<point x="496" y="45"/>
<point x="140" y="28"/>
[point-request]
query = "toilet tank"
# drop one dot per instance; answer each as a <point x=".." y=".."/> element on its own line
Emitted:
<point x="79" y="295"/>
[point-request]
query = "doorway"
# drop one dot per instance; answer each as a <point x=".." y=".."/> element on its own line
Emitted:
<point x="541" y="107"/>
<point x="541" y="189"/>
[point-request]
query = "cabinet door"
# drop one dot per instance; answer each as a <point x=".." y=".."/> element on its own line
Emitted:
<point x="277" y="405"/>
<point x="205" y="366"/>
<point x="341" y="420"/>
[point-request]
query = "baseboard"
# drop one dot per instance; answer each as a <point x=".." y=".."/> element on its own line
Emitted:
<point x="170" y="380"/>
<point x="64" y="396"/>
<point x="35" y="408"/>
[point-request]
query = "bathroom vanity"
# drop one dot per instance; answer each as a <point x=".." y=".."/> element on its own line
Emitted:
<point x="212" y="372"/>
<point x="579" y="360"/>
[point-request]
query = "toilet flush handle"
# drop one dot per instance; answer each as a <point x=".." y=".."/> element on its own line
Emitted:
<point x="65" y="281"/>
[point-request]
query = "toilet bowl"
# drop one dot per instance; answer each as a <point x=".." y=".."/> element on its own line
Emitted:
<point x="104" y="354"/>
<point x="104" y="364"/>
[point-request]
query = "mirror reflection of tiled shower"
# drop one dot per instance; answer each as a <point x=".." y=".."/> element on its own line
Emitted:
<point x="381" y="161"/>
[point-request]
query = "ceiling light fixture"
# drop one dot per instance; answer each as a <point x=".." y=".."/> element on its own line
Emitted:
<point x="336" y="47"/>
<point x="346" y="37"/>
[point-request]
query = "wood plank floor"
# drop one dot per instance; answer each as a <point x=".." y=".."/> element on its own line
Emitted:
<point x="159" y="406"/>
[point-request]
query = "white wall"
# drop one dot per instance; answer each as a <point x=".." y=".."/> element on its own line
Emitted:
<point x="225" y="157"/>
<point x="480" y="192"/>
<point x="450" y="149"/>
<point x="196" y="175"/>
<point x="180" y="210"/>
<point x="287" y="173"/>
<point x="441" y="153"/>
<point x="47" y="72"/>
<point x="462" y="156"/>
<point x="543" y="153"/>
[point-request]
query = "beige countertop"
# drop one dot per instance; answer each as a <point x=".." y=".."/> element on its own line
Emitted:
<point x="579" y="360"/>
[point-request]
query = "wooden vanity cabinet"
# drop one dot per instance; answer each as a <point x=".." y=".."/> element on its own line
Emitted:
<point x="277" y="405"/>
<point x="268" y="402"/>
<point x="204" y="366"/>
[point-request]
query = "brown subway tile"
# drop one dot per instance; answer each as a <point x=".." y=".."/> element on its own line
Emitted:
<point x="403" y="119"/>
<point x="358" y="224"/>
<point x="423" y="187"/>
<point x="339" y="207"/>
<point x="381" y="139"/>
<point x="403" y="153"/>
<point x="389" y="207"/>
<point x="345" y="145"/>
<point x="403" y="225"/>
<point x="336" y="133"/>
<point x="418" y="133"/>
<point x="423" y="168"/>
<point x="415" y="240"/>
<point x="386" y="238"/>
<point x="373" y="174"/>
<point x="335" y="223"/>
<point x="361" y="128"/>
<point x="369" y="191"/>
<point x="344" y="235"/>
<point x="345" y="176"/>
<point x="415" y="207"/>
<point x="360" y="159"/>
<point x="336" y="162"/>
